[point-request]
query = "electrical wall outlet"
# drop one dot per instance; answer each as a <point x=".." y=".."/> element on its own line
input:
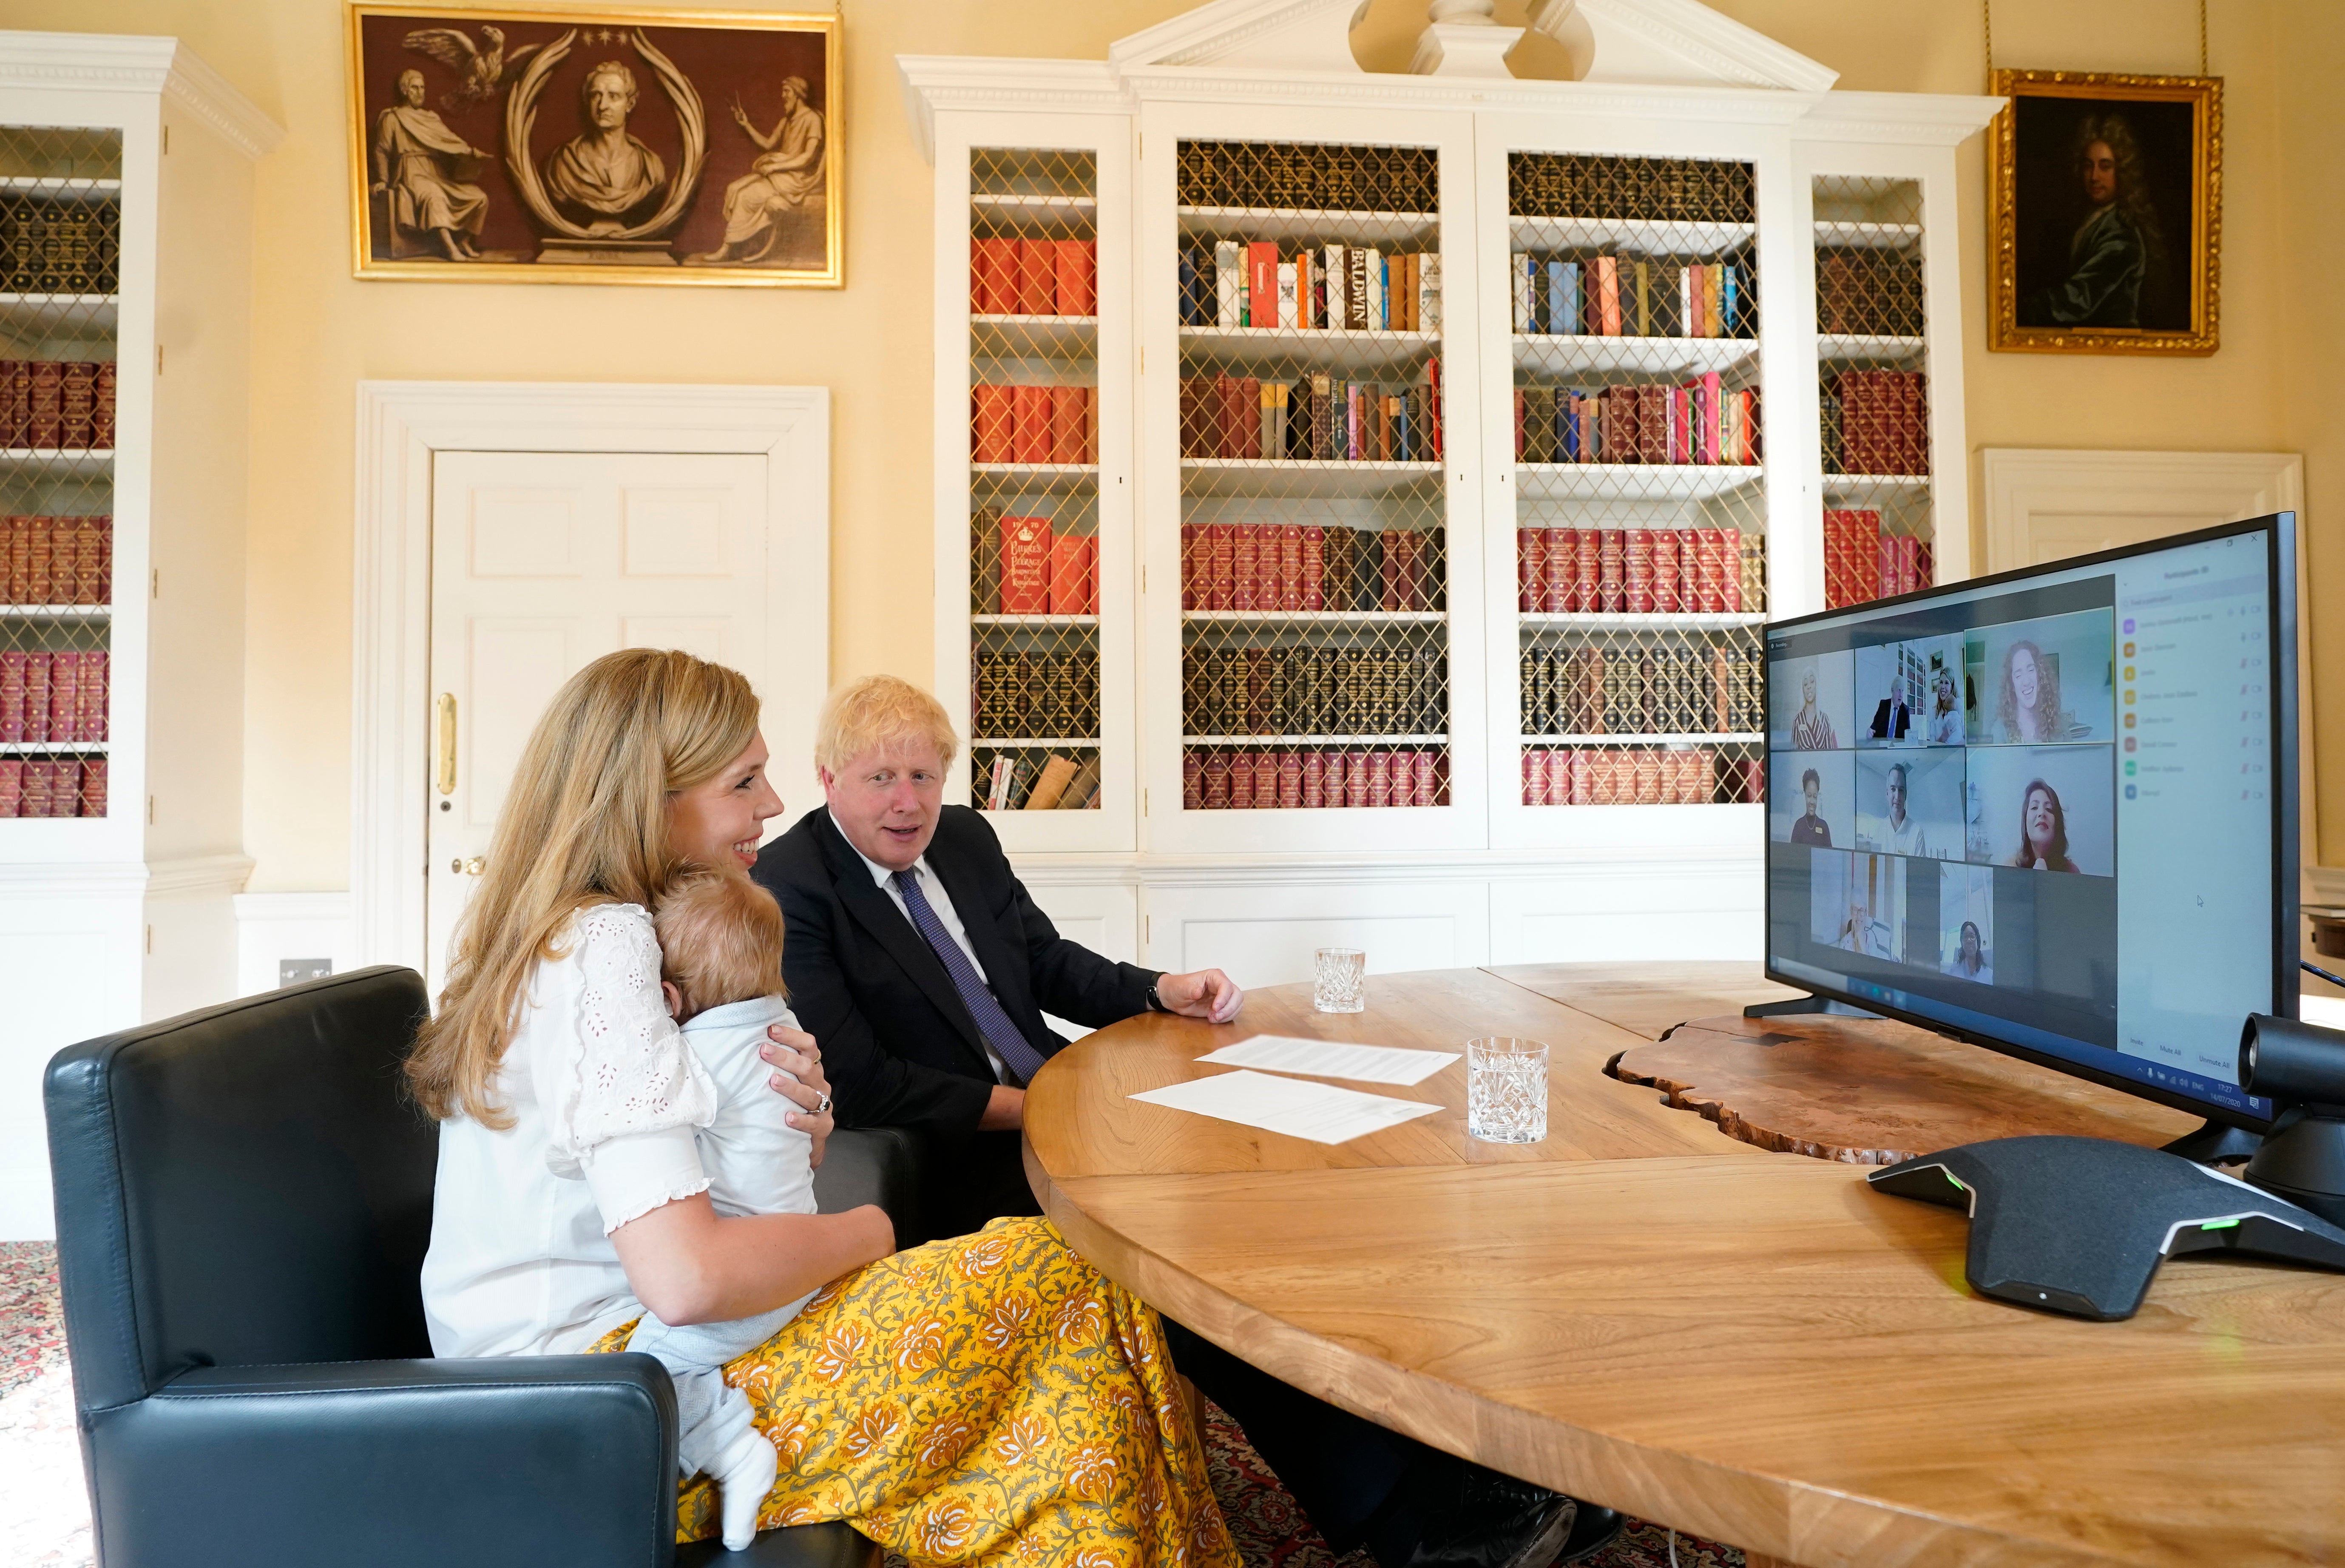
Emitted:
<point x="294" y="971"/>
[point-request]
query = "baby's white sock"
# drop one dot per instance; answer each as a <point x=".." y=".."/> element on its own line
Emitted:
<point x="743" y="1473"/>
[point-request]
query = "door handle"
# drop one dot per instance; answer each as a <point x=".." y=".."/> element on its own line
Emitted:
<point x="447" y="743"/>
<point x="461" y="866"/>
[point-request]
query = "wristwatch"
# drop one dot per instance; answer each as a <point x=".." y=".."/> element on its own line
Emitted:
<point x="1156" y="1002"/>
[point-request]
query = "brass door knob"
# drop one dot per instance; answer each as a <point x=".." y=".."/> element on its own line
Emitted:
<point x="461" y="866"/>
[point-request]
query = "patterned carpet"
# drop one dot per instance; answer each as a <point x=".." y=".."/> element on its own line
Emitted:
<point x="44" y="1509"/>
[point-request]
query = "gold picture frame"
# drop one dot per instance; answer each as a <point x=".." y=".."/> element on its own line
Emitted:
<point x="594" y="146"/>
<point x="2104" y="212"/>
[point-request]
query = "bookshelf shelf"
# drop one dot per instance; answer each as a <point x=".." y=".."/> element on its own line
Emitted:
<point x="61" y="185"/>
<point x="1836" y="348"/>
<point x="1669" y="237"/>
<point x="1267" y="476"/>
<point x="87" y="460"/>
<point x="56" y="612"/>
<point x="1648" y="356"/>
<point x="1033" y="337"/>
<point x="1326" y="348"/>
<point x="1631" y="738"/>
<point x="1855" y="483"/>
<point x="1036" y="478"/>
<point x="1306" y="223"/>
<point x="95" y="314"/>
<point x="1542" y="620"/>
<point x="1633" y="480"/>
<point x="1359" y="740"/>
<point x="52" y="747"/>
<point x="1073" y="743"/>
<point x="1314" y="617"/>
<point x="1036" y="214"/>
<point x="1867" y="236"/>
<point x="1034" y="620"/>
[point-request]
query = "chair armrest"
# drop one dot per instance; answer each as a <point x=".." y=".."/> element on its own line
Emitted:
<point x="385" y="1464"/>
<point x="874" y="1165"/>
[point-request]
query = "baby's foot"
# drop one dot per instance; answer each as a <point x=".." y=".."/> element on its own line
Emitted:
<point x="745" y="1475"/>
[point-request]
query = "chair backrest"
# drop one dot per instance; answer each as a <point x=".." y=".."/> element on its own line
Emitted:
<point x="243" y="1186"/>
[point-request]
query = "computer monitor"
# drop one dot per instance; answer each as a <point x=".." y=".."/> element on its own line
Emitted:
<point x="2053" y="812"/>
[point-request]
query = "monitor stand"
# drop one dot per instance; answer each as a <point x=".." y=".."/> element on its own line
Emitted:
<point x="2216" y="1143"/>
<point x="1797" y="1005"/>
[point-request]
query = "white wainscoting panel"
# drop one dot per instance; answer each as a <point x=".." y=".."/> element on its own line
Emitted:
<point x="1263" y="930"/>
<point x="1096" y="905"/>
<point x="1590" y="913"/>
<point x="275" y="928"/>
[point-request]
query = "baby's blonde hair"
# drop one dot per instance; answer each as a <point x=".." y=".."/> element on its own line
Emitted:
<point x="879" y="712"/>
<point x="720" y="937"/>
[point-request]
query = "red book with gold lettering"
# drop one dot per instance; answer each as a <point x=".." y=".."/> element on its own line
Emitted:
<point x="1315" y="569"/>
<point x="1245" y="567"/>
<point x="1290" y="565"/>
<point x="1038" y="276"/>
<point x="1222" y="558"/>
<point x="1030" y="423"/>
<point x="1558" y="592"/>
<point x="1637" y="571"/>
<point x="1611" y="570"/>
<point x="45" y="428"/>
<point x="1026" y="566"/>
<point x="1667" y="595"/>
<point x="1078" y="277"/>
<point x="1070" y="414"/>
<point x="992" y="277"/>
<point x="1192" y="576"/>
<point x="991" y="424"/>
<point x="1531" y="570"/>
<point x="1066" y="595"/>
<point x="37" y="697"/>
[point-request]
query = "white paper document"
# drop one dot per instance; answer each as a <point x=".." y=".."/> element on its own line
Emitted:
<point x="1333" y="1059"/>
<point x="1320" y="1112"/>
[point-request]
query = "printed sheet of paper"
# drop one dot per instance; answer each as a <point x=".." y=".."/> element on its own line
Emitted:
<point x="1331" y="1059"/>
<point x="1319" y="1112"/>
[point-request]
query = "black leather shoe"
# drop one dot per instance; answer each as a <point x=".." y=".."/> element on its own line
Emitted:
<point x="1592" y="1531"/>
<point x="1496" y="1521"/>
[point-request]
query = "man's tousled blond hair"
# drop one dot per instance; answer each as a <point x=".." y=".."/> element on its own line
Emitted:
<point x="584" y="821"/>
<point x="720" y="937"/>
<point x="880" y="712"/>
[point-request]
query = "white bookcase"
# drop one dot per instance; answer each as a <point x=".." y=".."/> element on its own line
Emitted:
<point x="121" y="912"/>
<point x="1688" y="141"/>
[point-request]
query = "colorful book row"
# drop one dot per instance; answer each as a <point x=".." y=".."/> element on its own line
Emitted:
<point x="1687" y="689"/>
<point x="1031" y="780"/>
<point x="49" y="405"/>
<point x="50" y="245"/>
<point x="1033" y="277"/>
<point x="1033" y="424"/>
<point x="1303" y="566"/>
<point x="1632" y="296"/>
<point x="1316" y="419"/>
<point x="52" y="786"/>
<point x="1863" y="564"/>
<point x="1315" y="691"/>
<point x="1231" y="778"/>
<point x="1639" y="775"/>
<point x="56" y="560"/>
<point x="53" y="696"/>
<point x="1631" y="571"/>
<point x="1033" y="570"/>
<point x="1331" y="287"/>
<point x="1019" y="695"/>
<point x="1700" y="423"/>
<point x="1877" y="422"/>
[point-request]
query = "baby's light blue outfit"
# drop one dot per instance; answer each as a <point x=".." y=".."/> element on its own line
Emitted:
<point x="755" y="1164"/>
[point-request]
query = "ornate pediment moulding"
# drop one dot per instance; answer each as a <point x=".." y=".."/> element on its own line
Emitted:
<point x="104" y="62"/>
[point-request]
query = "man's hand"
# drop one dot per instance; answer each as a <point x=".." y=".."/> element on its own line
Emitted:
<point x="1208" y="994"/>
<point x="795" y="1054"/>
<point x="1005" y="1110"/>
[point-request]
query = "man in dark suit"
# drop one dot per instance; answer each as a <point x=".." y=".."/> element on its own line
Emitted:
<point x="917" y="961"/>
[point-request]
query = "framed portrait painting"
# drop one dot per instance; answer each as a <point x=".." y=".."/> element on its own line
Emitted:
<point x="595" y="146"/>
<point x="2105" y="205"/>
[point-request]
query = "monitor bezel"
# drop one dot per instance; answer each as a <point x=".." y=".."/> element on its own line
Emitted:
<point x="2280" y="567"/>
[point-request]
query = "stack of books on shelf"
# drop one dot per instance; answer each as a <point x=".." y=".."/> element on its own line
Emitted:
<point x="53" y="697"/>
<point x="1326" y="287"/>
<point x="1316" y="418"/>
<point x="1690" y="689"/>
<point x="52" y="786"/>
<point x="1034" y="780"/>
<point x="49" y="405"/>
<point x="1698" y="422"/>
<point x="1050" y="695"/>
<point x="1315" y="691"/>
<point x="1863" y="564"/>
<point x="1608" y="186"/>
<point x="1633" y="570"/>
<point x="1307" y="176"/>
<point x="1022" y="566"/>
<point x="49" y="246"/>
<point x="1867" y="292"/>
<point x="1613" y="296"/>
<point x="1033" y="425"/>
<point x="56" y="560"/>
<point x="1033" y="277"/>
<point x="1638" y="776"/>
<point x="1214" y="778"/>
<point x="1295" y="566"/>
<point x="1876" y="422"/>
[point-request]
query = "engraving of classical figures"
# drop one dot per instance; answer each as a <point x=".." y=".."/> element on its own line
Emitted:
<point x="787" y="176"/>
<point x="603" y="175"/>
<point x="422" y="165"/>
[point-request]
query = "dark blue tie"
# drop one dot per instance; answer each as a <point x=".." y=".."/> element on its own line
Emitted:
<point x="1023" y="1060"/>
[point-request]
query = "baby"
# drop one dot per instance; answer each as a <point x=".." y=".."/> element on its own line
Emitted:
<point x="720" y="938"/>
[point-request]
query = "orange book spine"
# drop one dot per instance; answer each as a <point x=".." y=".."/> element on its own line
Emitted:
<point x="991" y="424"/>
<point x="1025" y="565"/>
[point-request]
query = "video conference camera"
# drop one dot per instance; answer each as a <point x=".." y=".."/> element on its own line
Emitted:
<point x="2301" y="1068"/>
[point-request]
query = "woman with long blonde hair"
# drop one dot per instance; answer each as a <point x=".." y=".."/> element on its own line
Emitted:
<point x="985" y="1398"/>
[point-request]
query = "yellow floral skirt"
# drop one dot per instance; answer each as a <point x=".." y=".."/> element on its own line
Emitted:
<point x="986" y="1399"/>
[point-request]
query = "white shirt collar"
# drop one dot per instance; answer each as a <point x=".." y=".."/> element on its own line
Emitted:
<point x="880" y="873"/>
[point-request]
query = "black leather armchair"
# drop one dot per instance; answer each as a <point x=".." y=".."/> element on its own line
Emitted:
<point x="244" y="1197"/>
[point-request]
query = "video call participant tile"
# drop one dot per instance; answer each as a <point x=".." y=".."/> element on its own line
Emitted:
<point x="1911" y="803"/>
<point x="1810" y="708"/>
<point x="2042" y="808"/>
<point x="1966" y="923"/>
<point x="1811" y="799"/>
<point x="2046" y="681"/>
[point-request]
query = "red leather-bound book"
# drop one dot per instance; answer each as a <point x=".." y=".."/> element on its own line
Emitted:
<point x="1709" y="572"/>
<point x="1653" y="424"/>
<point x="992" y="276"/>
<point x="44" y="423"/>
<point x="1611" y="570"/>
<point x="1222" y="560"/>
<point x="1066" y="574"/>
<point x="1522" y="427"/>
<point x="1265" y="780"/>
<point x="1415" y="593"/>
<point x="1637" y="571"/>
<point x="1069" y="414"/>
<point x="1380" y="783"/>
<point x="1290" y="565"/>
<point x="15" y="558"/>
<point x="1077" y="291"/>
<point x="15" y="404"/>
<point x="40" y="782"/>
<point x="37" y="697"/>
<point x="1314" y="568"/>
<point x="1534" y="776"/>
<point x="12" y="696"/>
<point x="1225" y="426"/>
<point x="1729" y="547"/>
<point x="104" y="439"/>
<point x="12" y="785"/>
<point x="1558" y="591"/>
<point x="1426" y="787"/>
<point x="1588" y="571"/>
<point x="1038" y="276"/>
<point x="65" y="697"/>
<point x="1355" y="779"/>
<point x="1262" y="283"/>
<point x="41" y="561"/>
<point x="97" y="694"/>
<point x="1531" y="570"/>
<point x="1198" y="410"/>
<point x="992" y="425"/>
<point x="77" y="406"/>
<point x="1924" y="567"/>
<point x="1214" y="780"/>
<point x="1669" y="595"/>
<point x="1245" y="566"/>
<point x="1192" y="576"/>
<point x="1245" y="417"/>
<point x="1432" y="413"/>
<point x="1240" y="788"/>
<point x="1192" y="781"/>
<point x="1030" y="423"/>
<point x="1025" y="544"/>
<point x="1392" y="591"/>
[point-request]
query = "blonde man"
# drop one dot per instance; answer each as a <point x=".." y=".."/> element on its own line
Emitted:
<point x="919" y="964"/>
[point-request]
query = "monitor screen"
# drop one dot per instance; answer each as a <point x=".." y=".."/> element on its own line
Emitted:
<point x="2051" y="812"/>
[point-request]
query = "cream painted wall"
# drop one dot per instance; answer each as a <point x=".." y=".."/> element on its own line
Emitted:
<point x="318" y="330"/>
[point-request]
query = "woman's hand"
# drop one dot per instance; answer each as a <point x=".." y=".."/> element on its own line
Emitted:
<point x="795" y="1051"/>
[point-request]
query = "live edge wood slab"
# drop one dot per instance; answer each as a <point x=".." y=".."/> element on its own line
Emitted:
<point x="1650" y="1315"/>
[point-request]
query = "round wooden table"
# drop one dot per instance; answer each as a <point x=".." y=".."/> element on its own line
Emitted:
<point x="1646" y="1312"/>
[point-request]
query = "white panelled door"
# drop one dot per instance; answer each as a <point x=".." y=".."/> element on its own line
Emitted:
<point x="541" y="562"/>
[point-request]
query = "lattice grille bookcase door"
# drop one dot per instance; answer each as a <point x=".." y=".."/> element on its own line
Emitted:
<point x="1315" y="662"/>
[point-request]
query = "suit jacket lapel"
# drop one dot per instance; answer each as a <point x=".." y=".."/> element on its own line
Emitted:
<point x="875" y="912"/>
<point x="1005" y="967"/>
